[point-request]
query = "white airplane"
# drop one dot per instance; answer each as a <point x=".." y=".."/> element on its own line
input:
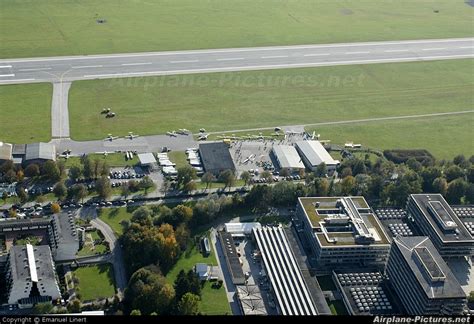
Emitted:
<point x="203" y="137"/>
<point x="131" y="135"/>
<point x="110" y="137"/>
<point x="173" y="133"/>
<point x="105" y="153"/>
<point x="183" y="131"/>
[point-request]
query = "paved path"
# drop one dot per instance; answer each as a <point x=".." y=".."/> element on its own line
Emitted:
<point x="53" y="69"/>
<point x="116" y="250"/>
<point x="59" y="110"/>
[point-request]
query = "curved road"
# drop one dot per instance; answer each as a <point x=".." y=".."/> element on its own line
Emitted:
<point x="72" y="68"/>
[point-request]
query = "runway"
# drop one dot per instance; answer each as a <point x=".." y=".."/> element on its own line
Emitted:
<point x="73" y="68"/>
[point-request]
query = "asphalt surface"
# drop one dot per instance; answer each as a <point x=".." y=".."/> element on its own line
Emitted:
<point x="67" y="69"/>
<point x="59" y="110"/>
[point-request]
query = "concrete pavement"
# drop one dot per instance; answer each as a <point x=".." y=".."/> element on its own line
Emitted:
<point x="88" y="67"/>
<point x="59" y="110"/>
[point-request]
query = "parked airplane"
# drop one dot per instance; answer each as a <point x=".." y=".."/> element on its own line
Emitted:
<point x="110" y="137"/>
<point x="173" y="133"/>
<point x="131" y="135"/>
<point x="203" y="137"/>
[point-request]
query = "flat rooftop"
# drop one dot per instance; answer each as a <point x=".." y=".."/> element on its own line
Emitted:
<point x="442" y="218"/>
<point x="429" y="268"/>
<point x="31" y="263"/>
<point x="288" y="157"/>
<point x="315" y="153"/>
<point x="334" y="225"/>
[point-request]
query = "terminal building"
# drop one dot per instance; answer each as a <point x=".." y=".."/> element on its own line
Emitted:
<point x="313" y="154"/>
<point x="436" y="219"/>
<point x="342" y="232"/>
<point x="287" y="283"/>
<point x="287" y="158"/>
<point x="31" y="276"/>
<point x="421" y="278"/>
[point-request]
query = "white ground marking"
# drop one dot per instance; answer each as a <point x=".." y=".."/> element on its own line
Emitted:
<point x="361" y="52"/>
<point x="466" y="47"/>
<point x="433" y="49"/>
<point x="274" y="56"/>
<point x="231" y="59"/>
<point x="38" y="69"/>
<point x="5" y="66"/>
<point x="86" y="66"/>
<point x="317" y="54"/>
<point x="17" y="80"/>
<point x="6" y="75"/>
<point x="186" y="61"/>
<point x="396" y="51"/>
<point x="147" y="63"/>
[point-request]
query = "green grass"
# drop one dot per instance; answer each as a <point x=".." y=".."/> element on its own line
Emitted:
<point x="178" y="157"/>
<point x="113" y="217"/>
<point x="213" y="301"/>
<point x="63" y="27"/>
<point x="87" y="248"/>
<point x="113" y="160"/>
<point x="443" y="136"/>
<point x="337" y="307"/>
<point x="96" y="282"/>
<point x="25" y="111"/>
<point x="309" y="95"/>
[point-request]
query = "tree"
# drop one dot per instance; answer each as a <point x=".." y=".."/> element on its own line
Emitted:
<point x="246" y="176"/>
<point x="60" y="190"/>
<point x="88" y="168"/>
<point x="4" y="197"/>
<point x="146" y="184"/>
<point x="208" y="178"/>
<point x="459" y="160"/>
<point x="321" y="170"/>
<point x="227" y="177"/>
<point x="142" y="216"/>
<point x="61" y="167"/>
<point x="284" y="172"/>
<point x="55" y="208"/>
<point x="267" y="176"/>
<point x="358" y="167"/>
<point x="32" y="170"/>
<point x="470" y="174"/>
<point x="453" y="172"/>
<point x="74" y="306"/>
<point x="470" y="193"/>
<point x="43" y="308"/>
<point x="320" y="187"/>
<point x="104" y="169"/>
<point x="96" y="167"/>
<point x="284" y="193"/>
<point x="440" y="185"/>
<point x="188" y="305"/>
<point x="135" y="312"/>
<point x="51" y="171"/>
<point x="75" y="172"/>
<point x="21" y="192"/>
<point x="40" y="199"/>
<point x="125" y="190"/>
<point x="456" y="190"/>
<point x="182" y="236"/>
<point x="148" y="292"/>
<point x="429" y="175"/>
<point x="103" y="187"/>
<point x="347" y="171"/>
<point x="185" y="175"/>
<point x="347" y="185"/>
<point x="470" y="298"/>
<point x="79" y="192"/>
<point x="259" y="198"/>
<point x="182" y="214"/>
<point x="10" y="176"/>
<point x="190" y="186"/>
<point x="413" y="164"/>
<point x="187" y="282"/>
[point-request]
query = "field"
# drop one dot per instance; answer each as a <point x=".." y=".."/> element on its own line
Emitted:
<point x="113" y="160"/>
<point x="213" y="301"/>
<point x="113" y="217"/>
<point x="445" y="137"/>
<point x="96" y="282"/>
<point x="227" y="101"/>
<point x="178" y="157"/>
<point x="25" y="112"/>
<point x="89" y="247"/>
<point x="65" y="27"/>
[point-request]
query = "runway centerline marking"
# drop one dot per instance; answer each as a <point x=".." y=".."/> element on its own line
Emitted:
<point x="274" y="56"/>
<point x="185" y="61"/>
<point x="5" y="66"/>
<point x="396" y="51"/>
<point x="317" y="54"/>
<point x="130" y="64"/>
<point x="38" y="69"/>
<point x="466" y="47"/>
<point x="231" y="59"/>
<point x="86" y="66"/>
<point x="6" y="75"/>
<point x="360" y="52"/>
<point x="433" y="49"/>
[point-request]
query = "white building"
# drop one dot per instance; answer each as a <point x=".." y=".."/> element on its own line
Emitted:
<point x="31" y="276"/>
<point x="313" y="154"/>
<point x="241" y="229"/>
<point x="288" y="158"/>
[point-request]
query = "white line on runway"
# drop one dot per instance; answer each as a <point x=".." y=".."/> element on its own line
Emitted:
<point x="396" y="51"/>
<point x="317" y="54"/>
<point x="466" y="47"/>
<point x="363" y="52"/>
<point x="85" y="66"/>
<point x="6" y="75"/>
<point x="17" y="80"/>
<point x="147" y="63"/>
<point x="38" y="69"/>
<point x="275" y="66"/>
<point x="188" y="61"/>
<point x="274" y="56"/>
<point x="433" y="49"/>
<point x="231" y="59"/>
<point x="5" y="66"/>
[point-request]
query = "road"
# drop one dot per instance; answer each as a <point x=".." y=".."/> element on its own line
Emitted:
<point x="117" y="258"/>
<point x="72" y="68"/>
